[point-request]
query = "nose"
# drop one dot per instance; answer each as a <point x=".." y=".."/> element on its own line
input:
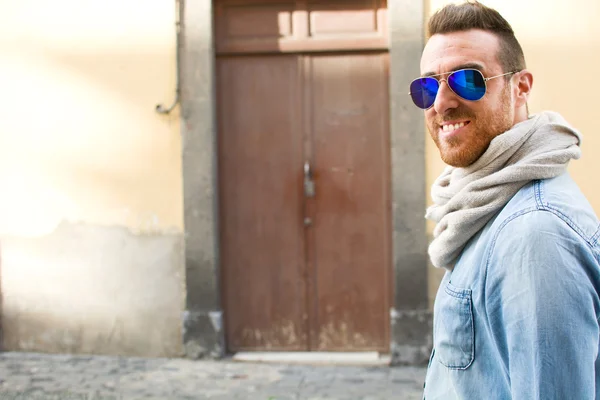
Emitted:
<point x="445" y="100"/>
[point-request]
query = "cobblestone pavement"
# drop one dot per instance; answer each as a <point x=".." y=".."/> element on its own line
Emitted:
<point x="38" y="376"/>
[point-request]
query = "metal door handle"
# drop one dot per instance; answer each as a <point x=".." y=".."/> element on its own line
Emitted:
<point x="307" y="171"/>
<point x="309" y="184"/>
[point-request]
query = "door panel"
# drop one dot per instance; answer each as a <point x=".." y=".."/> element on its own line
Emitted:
<point x="261" y="203"/>
<point x="348" y="96"/>
<point x="293" y="26"/>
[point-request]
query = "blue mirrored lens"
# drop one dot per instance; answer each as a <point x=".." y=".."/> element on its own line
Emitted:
<point x="468" y="84"/>
<point x="423" y="92"/>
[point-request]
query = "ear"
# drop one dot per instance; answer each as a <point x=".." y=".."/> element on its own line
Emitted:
<point x="522" y="88"/>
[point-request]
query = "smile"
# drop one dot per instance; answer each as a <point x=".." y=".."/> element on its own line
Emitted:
<point x="450" y="127"/>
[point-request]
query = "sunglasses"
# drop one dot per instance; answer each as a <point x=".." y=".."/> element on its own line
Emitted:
<point x="468" y="84"/>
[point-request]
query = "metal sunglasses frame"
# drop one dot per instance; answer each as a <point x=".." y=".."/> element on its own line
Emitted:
<point x="450" y="87"/>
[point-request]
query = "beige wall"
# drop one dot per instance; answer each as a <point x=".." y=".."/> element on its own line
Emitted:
<point x="561" y="41"/>
<point x="91" y="202"/>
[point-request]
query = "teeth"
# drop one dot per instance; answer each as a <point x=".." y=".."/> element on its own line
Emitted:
<point x="450" y="127"/>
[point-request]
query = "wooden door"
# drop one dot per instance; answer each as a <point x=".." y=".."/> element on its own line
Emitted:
<point x="303" y="272"/>
<point x="347" y="96"/>
<point x="261" y="203"/>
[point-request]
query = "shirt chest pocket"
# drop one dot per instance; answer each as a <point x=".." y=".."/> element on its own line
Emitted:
<point x="454" y="329"/>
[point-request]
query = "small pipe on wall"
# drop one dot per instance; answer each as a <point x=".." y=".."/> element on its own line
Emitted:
<point x="159" y="107"/>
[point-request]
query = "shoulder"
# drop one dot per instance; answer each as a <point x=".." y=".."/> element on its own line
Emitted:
<point x="556" y="204"/>
<point x="548" y="226"/>
<point x="562" y="197"/>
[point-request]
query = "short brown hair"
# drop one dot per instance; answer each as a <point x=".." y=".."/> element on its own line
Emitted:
<point x="474" y="15"/>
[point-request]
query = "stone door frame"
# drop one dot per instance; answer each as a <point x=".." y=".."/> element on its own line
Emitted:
<point x="202" y="321"/>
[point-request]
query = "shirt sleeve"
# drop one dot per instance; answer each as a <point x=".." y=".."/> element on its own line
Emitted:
<point x="542" y="304"/>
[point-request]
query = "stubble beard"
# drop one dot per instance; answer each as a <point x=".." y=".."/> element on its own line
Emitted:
<point x="463" y="151"/>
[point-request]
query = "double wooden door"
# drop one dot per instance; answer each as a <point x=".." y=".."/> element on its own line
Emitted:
<point x="305" y="204"/>
<point x="304" y="189"/>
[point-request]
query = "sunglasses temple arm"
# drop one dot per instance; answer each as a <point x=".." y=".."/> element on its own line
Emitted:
<point x="498" y="76"/>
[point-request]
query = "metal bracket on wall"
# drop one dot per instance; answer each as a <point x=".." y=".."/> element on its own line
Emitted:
<point x="159" y="107"/>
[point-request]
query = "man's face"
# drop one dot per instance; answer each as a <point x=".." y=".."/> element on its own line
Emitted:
<point x="483" y="119"/>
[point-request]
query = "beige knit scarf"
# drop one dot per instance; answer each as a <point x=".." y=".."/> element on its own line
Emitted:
<point x="465" y="199"/>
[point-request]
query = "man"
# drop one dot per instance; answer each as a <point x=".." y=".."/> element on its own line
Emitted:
<point x="516" y="314"/>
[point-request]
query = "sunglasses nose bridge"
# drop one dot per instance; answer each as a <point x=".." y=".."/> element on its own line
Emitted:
<point x="443" y="100"/>
<point x="448" y="85"/>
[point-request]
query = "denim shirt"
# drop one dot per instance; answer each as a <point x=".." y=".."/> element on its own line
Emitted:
<point x="517" y="318"/>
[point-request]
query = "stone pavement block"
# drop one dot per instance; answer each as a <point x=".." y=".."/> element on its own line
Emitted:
<point x="174" y="379"/>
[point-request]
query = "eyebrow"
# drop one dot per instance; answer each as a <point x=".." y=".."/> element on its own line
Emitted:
<point x="471" y="65"/>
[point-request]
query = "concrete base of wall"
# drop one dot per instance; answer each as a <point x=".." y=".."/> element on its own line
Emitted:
<point x="202" y="333"/>
<point x="412" y="337"/>
<point x="95" y="290"/>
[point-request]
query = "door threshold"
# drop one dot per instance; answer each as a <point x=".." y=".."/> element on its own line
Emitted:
<point x="325" y="358"/>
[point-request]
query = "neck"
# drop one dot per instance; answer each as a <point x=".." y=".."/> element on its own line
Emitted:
<point x="521" y="114"/>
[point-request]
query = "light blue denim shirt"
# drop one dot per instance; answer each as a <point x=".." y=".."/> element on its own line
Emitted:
<point x="518" y="316"/>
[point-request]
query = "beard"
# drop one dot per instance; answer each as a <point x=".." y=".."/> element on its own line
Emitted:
<point x="465" y="148"/>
